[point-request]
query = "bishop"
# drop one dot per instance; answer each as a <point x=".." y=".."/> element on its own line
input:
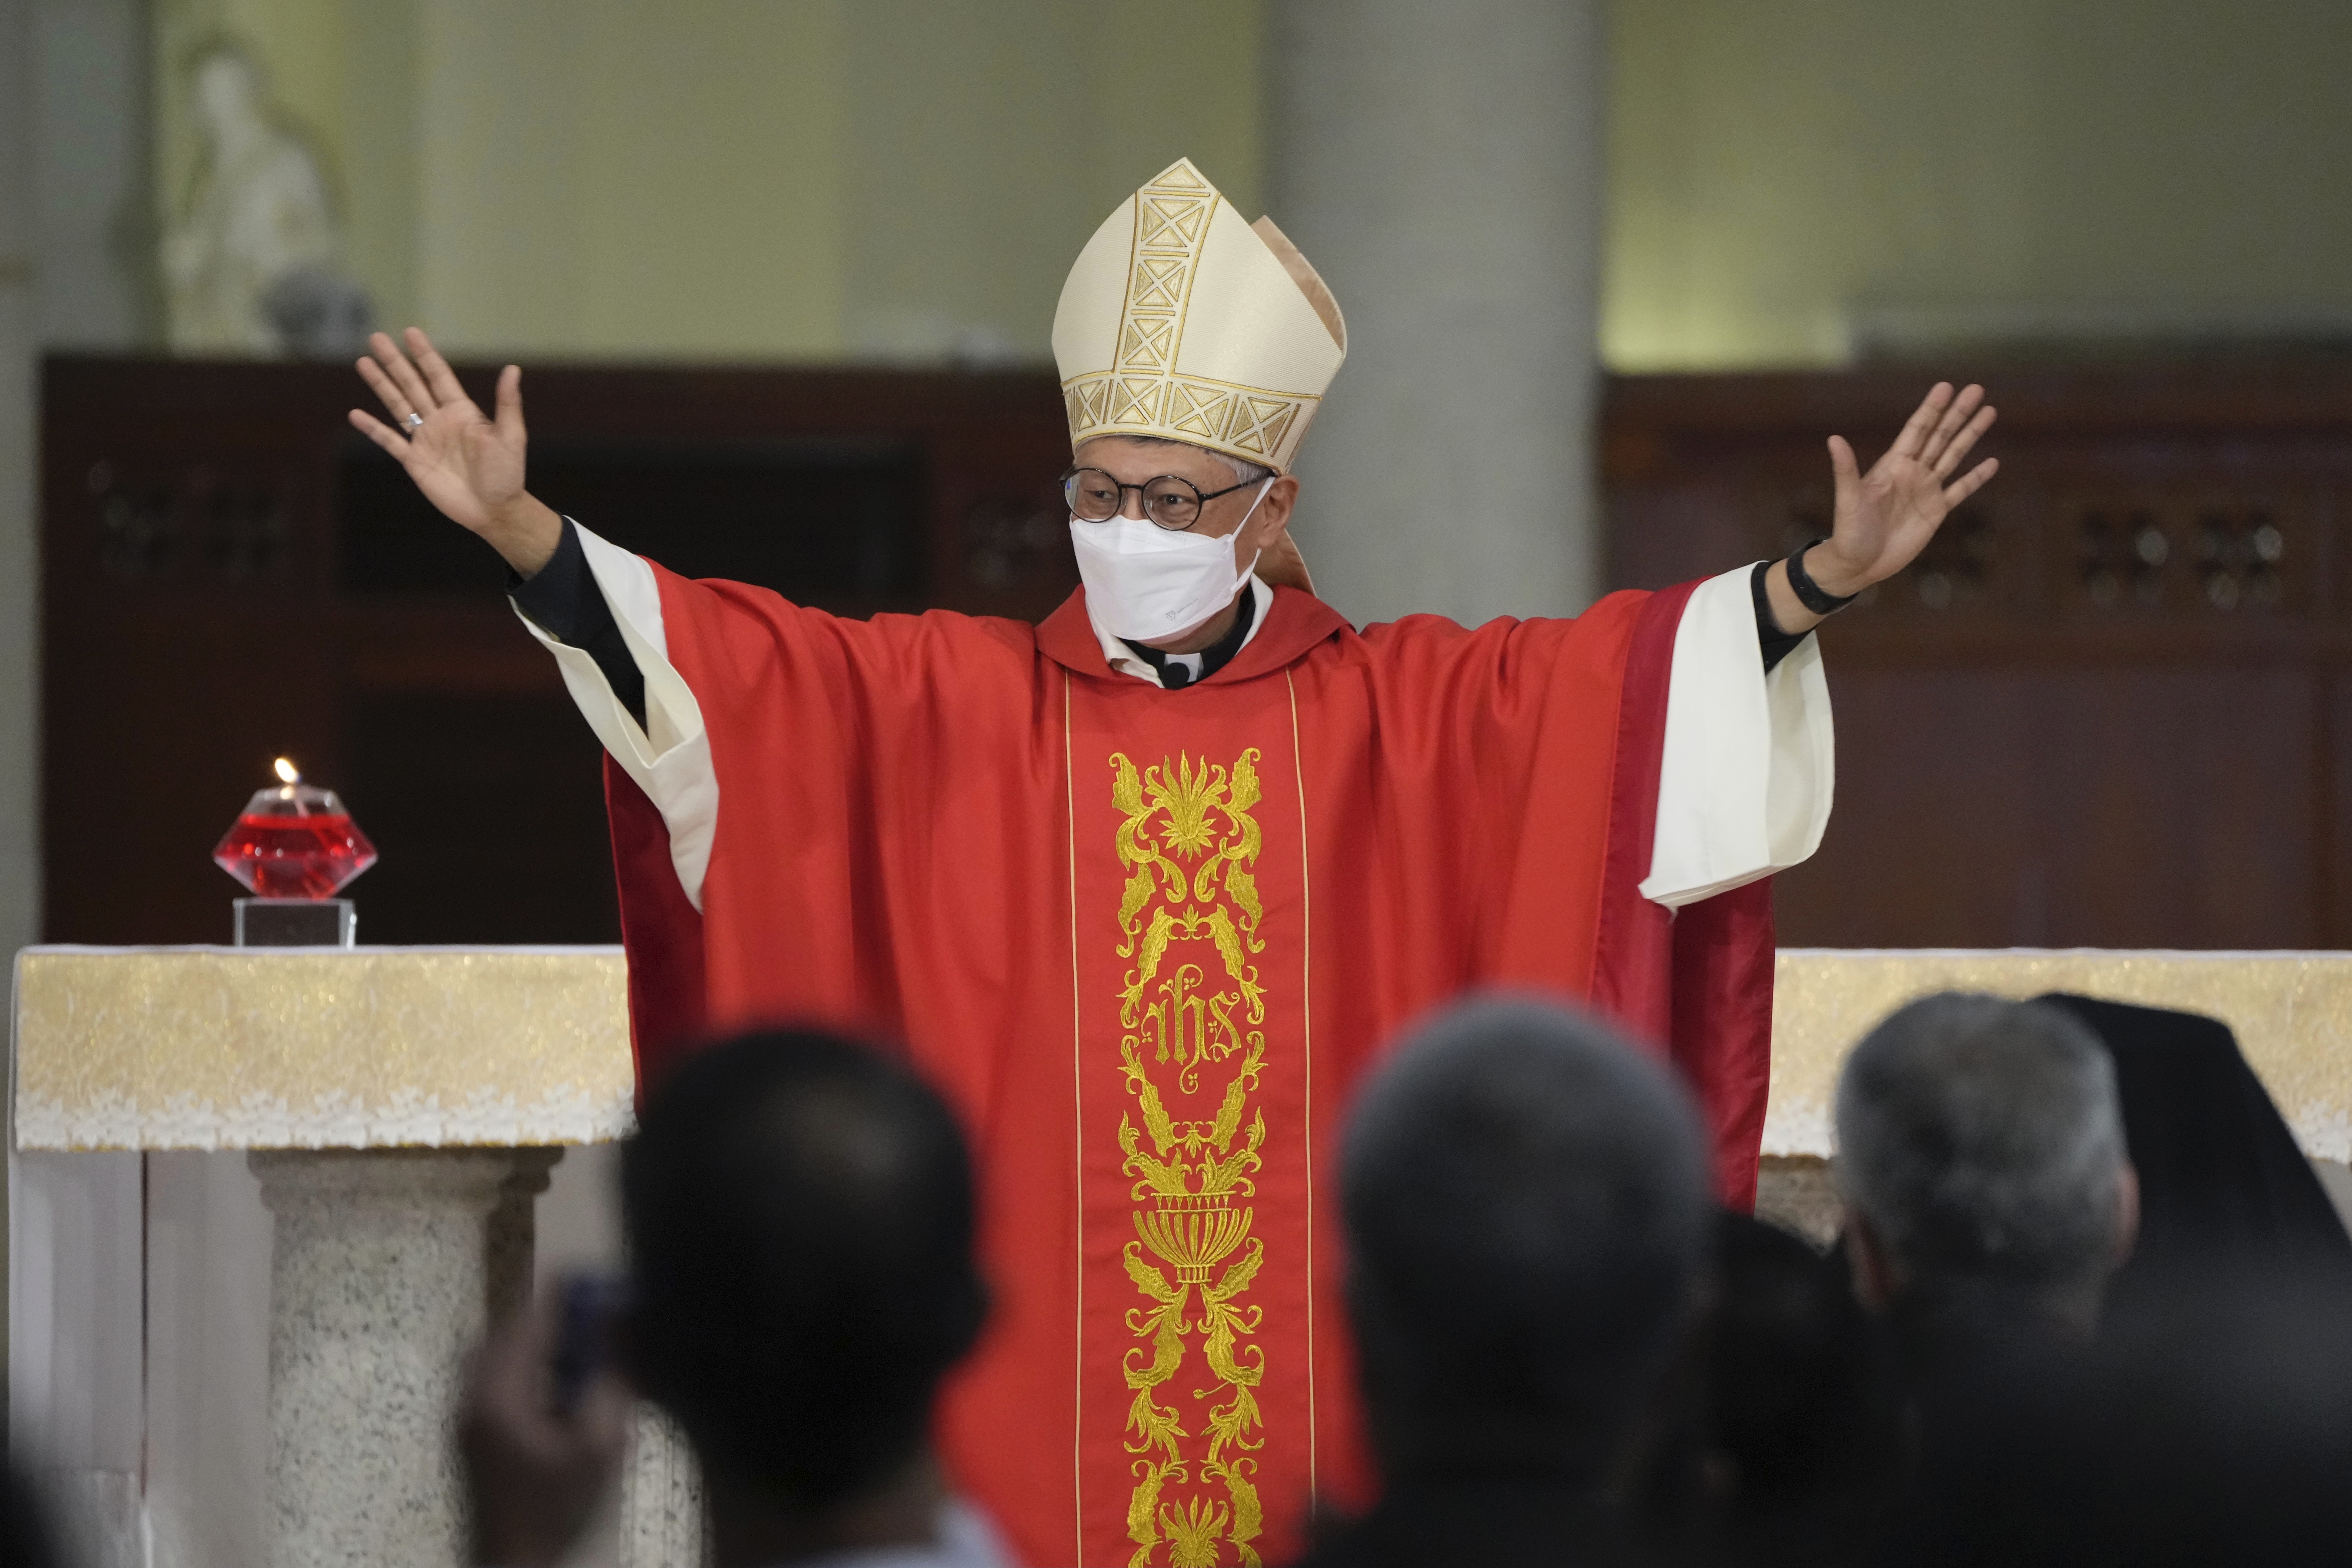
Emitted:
<point x="1146" y="887"/>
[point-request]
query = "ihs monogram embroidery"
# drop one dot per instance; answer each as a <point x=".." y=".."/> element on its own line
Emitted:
<point x="1191" y="1005"/>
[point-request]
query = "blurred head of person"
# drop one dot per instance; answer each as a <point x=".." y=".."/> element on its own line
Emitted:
<point x="1981" y="1152"/>
<point x="799" y="1214"/>
<point x="1802" y="1412"/>
<point x="1526" y="1207"/>
<point x="2200" y="1435"/>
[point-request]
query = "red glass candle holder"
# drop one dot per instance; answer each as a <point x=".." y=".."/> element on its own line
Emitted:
<point x="294" y="841"/>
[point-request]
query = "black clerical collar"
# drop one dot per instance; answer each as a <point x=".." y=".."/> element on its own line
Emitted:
<point x="1174" y="676"/>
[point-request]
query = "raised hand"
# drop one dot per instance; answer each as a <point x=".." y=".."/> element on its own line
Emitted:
<point x="535" y="1470"/>
<point x="468" y="465"/>
<point x="1886" y="517"/>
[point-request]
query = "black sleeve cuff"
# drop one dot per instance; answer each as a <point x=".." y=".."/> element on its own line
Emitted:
<point x="561" y="598"/>
<point x="1776" y="645"/>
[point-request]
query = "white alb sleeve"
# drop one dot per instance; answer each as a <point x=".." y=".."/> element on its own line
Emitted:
<point x="1745" y="784"/>
<point x="669" y="758"/>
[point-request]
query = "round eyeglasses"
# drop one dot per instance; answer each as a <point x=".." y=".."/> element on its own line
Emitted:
<point x="1170" y="501"/>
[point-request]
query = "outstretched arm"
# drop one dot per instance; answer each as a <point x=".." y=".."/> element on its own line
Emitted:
<point x="1886" y="517"/>
<point x="470" y="466"/>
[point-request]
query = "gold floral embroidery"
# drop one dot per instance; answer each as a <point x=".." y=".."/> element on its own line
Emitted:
<point x="1190" y="1004"/>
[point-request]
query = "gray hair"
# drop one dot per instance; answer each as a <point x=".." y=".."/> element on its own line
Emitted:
<point x="1525" y="1201"/>
<point x="1983" y="1140"/>
<point x="1244" y="473"/>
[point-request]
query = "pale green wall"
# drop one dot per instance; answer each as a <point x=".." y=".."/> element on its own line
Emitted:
<point x="989" y="141"/>
<point x="623" y="179"/>
<point x="878" y="179"/>
<point x="1784" y="173"/>
<point x="767" y="179"/>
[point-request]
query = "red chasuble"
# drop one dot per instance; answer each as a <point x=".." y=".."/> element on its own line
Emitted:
<point x="1146" y="942"/>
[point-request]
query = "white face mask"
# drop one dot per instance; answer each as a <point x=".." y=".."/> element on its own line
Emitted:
<point x="1148" y="583"/>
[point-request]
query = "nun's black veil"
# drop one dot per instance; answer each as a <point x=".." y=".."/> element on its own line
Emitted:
<point x="2212" y="1422"/>
<point x="2228" y="1202"/>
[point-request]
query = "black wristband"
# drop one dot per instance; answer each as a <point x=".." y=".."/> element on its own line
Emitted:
<point x="1810" y="594"/>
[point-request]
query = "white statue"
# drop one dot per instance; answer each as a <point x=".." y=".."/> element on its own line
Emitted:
<point x="251" y="264"/>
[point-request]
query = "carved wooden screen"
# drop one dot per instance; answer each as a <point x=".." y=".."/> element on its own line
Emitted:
<point x="229" y="573"/>
<point x="2110" y="706"/>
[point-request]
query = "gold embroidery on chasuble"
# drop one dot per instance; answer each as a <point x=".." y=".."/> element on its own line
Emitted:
<point x="1191" y="1016"/>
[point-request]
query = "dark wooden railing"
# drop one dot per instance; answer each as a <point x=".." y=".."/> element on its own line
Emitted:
<point x="2112" y="706"/>
<point x="230" y="573"/>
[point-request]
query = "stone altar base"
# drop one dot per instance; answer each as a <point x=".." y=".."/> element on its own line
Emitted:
<point x="400" y="1110"/>
<point x="379" y="1283"/>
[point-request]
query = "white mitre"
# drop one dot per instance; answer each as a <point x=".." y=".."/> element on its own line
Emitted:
<point x="1181" y="321"/>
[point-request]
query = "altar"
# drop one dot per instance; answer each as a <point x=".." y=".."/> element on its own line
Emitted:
<point x="260" y="1201"/>
<point x="2292" y="1013"/>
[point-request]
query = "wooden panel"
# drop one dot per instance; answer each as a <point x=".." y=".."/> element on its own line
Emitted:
<point x="2114" y="704"/>
<point x="489" y="811"/>
<point x="2332" y="850"/>
<point x="2059" y="808"/>
<point x="156" y="729"/>
<point x="2107" y="707"/>
<point x="229" y="573"/>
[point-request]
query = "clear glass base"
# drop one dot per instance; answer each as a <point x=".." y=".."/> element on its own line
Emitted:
<point x="296" y="923"/>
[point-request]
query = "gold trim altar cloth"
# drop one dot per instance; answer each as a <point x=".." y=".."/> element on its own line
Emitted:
<point x="2292" y="1011"/>
<point x="229" y="1048"/>
<point x="208" y="1048"/>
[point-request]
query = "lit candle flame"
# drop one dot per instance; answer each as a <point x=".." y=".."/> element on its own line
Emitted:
<point x="287" y="772"/>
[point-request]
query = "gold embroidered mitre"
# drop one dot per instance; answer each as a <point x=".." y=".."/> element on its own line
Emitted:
<point x="1181" y="320"/>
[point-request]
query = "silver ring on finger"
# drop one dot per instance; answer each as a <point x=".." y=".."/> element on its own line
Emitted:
<point x="413" y="422"/>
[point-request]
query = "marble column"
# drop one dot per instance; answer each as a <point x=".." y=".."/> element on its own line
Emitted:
<point x="72" y="1272"/>
<point x="378" y="1286"/>
<point x="663" y="1522"/>
<point x="73" y="128"/>
<point x="510" y="1237"/>
<point x="1440" y="166"/>
<point x="20" y="895"/>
